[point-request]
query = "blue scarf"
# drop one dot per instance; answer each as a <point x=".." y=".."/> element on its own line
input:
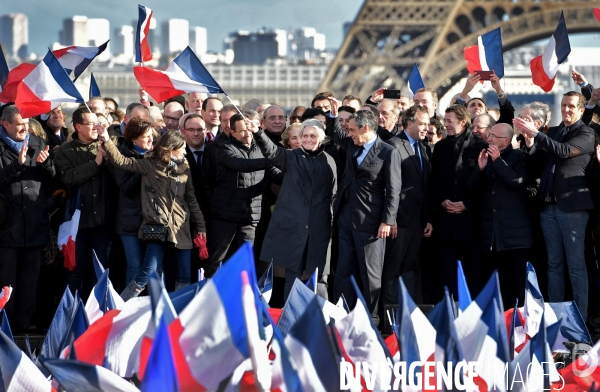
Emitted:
<point x="15" y="146"/>
<point x="140" y="150"/>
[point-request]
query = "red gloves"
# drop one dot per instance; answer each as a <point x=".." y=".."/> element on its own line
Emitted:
<point x="200" y="242"/>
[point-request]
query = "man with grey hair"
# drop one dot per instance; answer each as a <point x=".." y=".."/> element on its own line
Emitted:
<point x="366" y="206"/>
<point x="133" y="110"/>
<point x="273" y="122"/>
<point x="387" y="119"/>
<point x="25" y="174"/>
<point x="482" y="124"/>
<point x="193" y="102"/>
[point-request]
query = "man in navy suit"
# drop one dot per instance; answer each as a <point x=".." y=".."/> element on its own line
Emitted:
<point x="366" y="205"/>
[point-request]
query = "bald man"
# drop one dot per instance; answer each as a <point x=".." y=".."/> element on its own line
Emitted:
<point x="172" y="113"/>
<point x="506" y="230"/>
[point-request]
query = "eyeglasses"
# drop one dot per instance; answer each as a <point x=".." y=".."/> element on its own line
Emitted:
<point x="171" y="119"/>
<point x="280" y="118"/>
<point x="492" y="136"/>
<point x="93" y="124"/>
<point x="195" y="130"/>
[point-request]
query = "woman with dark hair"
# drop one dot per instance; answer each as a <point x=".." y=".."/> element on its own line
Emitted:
<point x="299" y="234"/>
<point x="169" y="206"/>
<point x="138" y="141"/>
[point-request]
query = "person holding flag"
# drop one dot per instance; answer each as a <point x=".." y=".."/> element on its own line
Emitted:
<point x="25" y="174"/>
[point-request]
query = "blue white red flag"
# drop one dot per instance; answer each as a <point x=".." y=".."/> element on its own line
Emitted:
<point x="544" y="67"/>
<point x="102" y="298"/>
<point x="67" y="231"/>
<point x="415" y="81"/>
<point x="534" y="302"/>
<point x="185" y="74"/>
<point x="77" y="326"/>
<point x="15" y="76"/>
<point x="94" y="89"/>
<point x="5" y="295"/>
<point x="5" y="325"/>
<point x="58" y="326"/>
<point x="464" y="295"/>
<point x="77" y="58"/>
<point x="160" y="372"/>
<point x="487" y="54"/>
<point x="17" y="371"/>
<point x="45" y="87"/>
<point x="311" y="283"/>
<point x="265" y="283"/>
<point x="78" y="376"/>
<point x="447" y="346"/>
<point x="142" y="46"/>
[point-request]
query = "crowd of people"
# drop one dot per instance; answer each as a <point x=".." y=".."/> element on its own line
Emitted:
<point x="377" y="190"/>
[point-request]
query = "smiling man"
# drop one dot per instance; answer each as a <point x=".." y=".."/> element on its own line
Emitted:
<point x="566" y="151"/>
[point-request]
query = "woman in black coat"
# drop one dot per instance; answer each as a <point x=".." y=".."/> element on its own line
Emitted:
<point x="299" y="234"/>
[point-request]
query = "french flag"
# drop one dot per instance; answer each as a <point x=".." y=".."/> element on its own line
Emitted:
<point x="265" y="283"/>
<point x="185" y="74"/>
<point x="534" y="302"/>
<point x="18" y="372"/>
<point x="415" y="81"/>
<point x="142" y="46"/>
<point x="544" y="67"/>
<point x="5" y="325"/>
<point x="161" y="374"/>
<point x="14" y="77"/>
<point x="94" y="89"/>
<point x="45" y="87"/>
<point x="5" y="296"/>
<point x="78" y="376"/>
<point x="487" y="54"/>
<point x="77" y="58"/>
<point x="311" y="350"/>
<point x="58" y="326"/>
<point x="103" y="296"/>
<point x="67" y="231"/>
<point x="464" y="295"/>
<point x="447" y="347"/>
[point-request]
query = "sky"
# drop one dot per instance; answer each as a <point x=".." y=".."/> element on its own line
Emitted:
<point x="220" y="18"/>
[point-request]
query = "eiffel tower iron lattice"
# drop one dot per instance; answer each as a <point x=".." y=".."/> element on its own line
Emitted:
<point x="389" y="36"/>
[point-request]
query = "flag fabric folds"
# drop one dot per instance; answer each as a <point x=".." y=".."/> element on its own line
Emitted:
<point x="94" y="89"/>
<point x="597" y="16"/>
<point x="544" y="67"/>
<point x="15" y="76"/>
<point x="415" y="81"/>
<point x="142" y="46"/>
<point x="102" y="299"/>
<point x="161" y="374"/>
<point x="75" y="376"/>
<point x="5" y="325"/>
<point x="185" y="74"/>
<point x="77" y="58"/>
<point x="17" y="371"/>
<point x="464" y="295"/>
<point x="5" y="295"/>
<point x="265" y="283"/>
<point x="45" y="87"/>
<point x="487" y="54"/>
<point x="67" y="231"/>
<point x="58" y="326"/>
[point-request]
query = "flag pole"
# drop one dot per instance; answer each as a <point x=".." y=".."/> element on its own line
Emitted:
<point x="236" y="108"/>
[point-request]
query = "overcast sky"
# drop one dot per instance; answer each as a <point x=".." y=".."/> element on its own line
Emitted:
<point x="220" y="18"/>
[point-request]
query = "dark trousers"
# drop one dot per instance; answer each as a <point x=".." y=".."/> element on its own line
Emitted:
<point x="83" y="278"/>
<point x="224" y="238"/>
<point x="361" y="255"/>
<point x="20" y="268"/>
<point x="291" y="276"/>
<point x="402" y="260"/>
<point x="469" y="255"/>
<point x="511" y="265"/>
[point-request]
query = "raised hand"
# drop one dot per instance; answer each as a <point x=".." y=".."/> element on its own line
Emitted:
<point x="482" y="160"/>
<point x="23" y="154"/>
<point x="43" y="155"/>
<point x="334" y="106"/>
<point x="495" y="80"/>
<point x="472" y="81"/>
<point x="377" y="96"/>
<point x="577" y="77"/>
<point x="493" y="152"/>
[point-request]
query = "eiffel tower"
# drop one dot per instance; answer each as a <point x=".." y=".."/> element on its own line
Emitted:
<point x="389" y="36"/>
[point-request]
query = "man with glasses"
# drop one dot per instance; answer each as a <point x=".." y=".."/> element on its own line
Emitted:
<point x="81" y="167"/>
<point x="481" y="124"/>
<point x="453" y="161"/>
<point x="506" y="231"/>
<point x="296" y="114"/>
<point x="172" y="113"/>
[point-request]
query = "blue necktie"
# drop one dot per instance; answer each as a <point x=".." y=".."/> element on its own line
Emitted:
<point x="417" y="149"/>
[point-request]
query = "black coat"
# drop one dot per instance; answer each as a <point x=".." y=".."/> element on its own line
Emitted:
<point x="573" y="157"/>
<point x="505" y="222"/>
<point x="24" y="188"/>
<point x="206" y="186"/>
<point x="374" y="186"/>
<point x="450" y="172"/>
<point x="414" y="197"/>
<point x="129" y="208"/>
<point x="303" y="213"/>
<point x="240" y="181"/>
<point x="196" y="170"/>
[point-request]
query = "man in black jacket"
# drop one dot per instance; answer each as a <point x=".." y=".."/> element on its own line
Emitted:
<point x="413" y="220"/>
<point x="564" y="194"/>
<point x="452" y="163"/>
<point x="54" y="126"/>
<point x="236" y="205"/>
<point x="366" y="206"/>
<point x="25" y="173"/>
<point x="506" y="232"/>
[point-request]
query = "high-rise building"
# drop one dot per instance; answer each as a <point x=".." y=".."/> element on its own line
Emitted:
<point x="198" y="40"/>
<point x="75" y="31"/>
<point x="254" y="48"/>
<point x="14" y="35"/>
<point x="123" y="41"/>
<point x="175" y="36"/>
<point x="282" y="42"/>
<point x="99" y="33"/>
<point x="309" y="43"/>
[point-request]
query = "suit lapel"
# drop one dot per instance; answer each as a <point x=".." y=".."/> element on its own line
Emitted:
<point x="372" y="153"/>
<point x="411" y="152"/>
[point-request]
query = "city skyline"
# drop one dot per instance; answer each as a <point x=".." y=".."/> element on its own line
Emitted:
<point x="219" y="22"/>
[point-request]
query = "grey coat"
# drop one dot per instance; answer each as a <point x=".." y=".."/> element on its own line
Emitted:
<point x="302" y="217"/>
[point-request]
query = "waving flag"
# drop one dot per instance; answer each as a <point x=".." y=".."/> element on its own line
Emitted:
<point x="102" y="298"/>
<point x="487" y="54"/>
<point x="78" y="324"/>
<point x="15" y="76"/>
<point x="58" y="326"/>
<point x="597" y="16"/>
<point x="3" y="70"/>
<point x="545" y="67"/>
<point x="46" y="87"/>
<point x="447" y="347"/>
<point x="464" y="295"/>
<point x="534" y="302"/>
<point x="186" y="74"/>
<point x="142" y="46"/>
<point x="77" y="58"/>
<point x="311" y="350"/>
<point x="311" y="283"/>
<point x="94" y="89"/>
<point x="5" y="296"/>
<point x="161" y="374"/>
<point x="5" y="325"/>
<point x="67" y="231"/>
<point x="415" y="81"/>
<point x="265" y="283"/>
<point x="78" y="376"/>
<point x="285" y="375"/>
<point x="17" y="371"/>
